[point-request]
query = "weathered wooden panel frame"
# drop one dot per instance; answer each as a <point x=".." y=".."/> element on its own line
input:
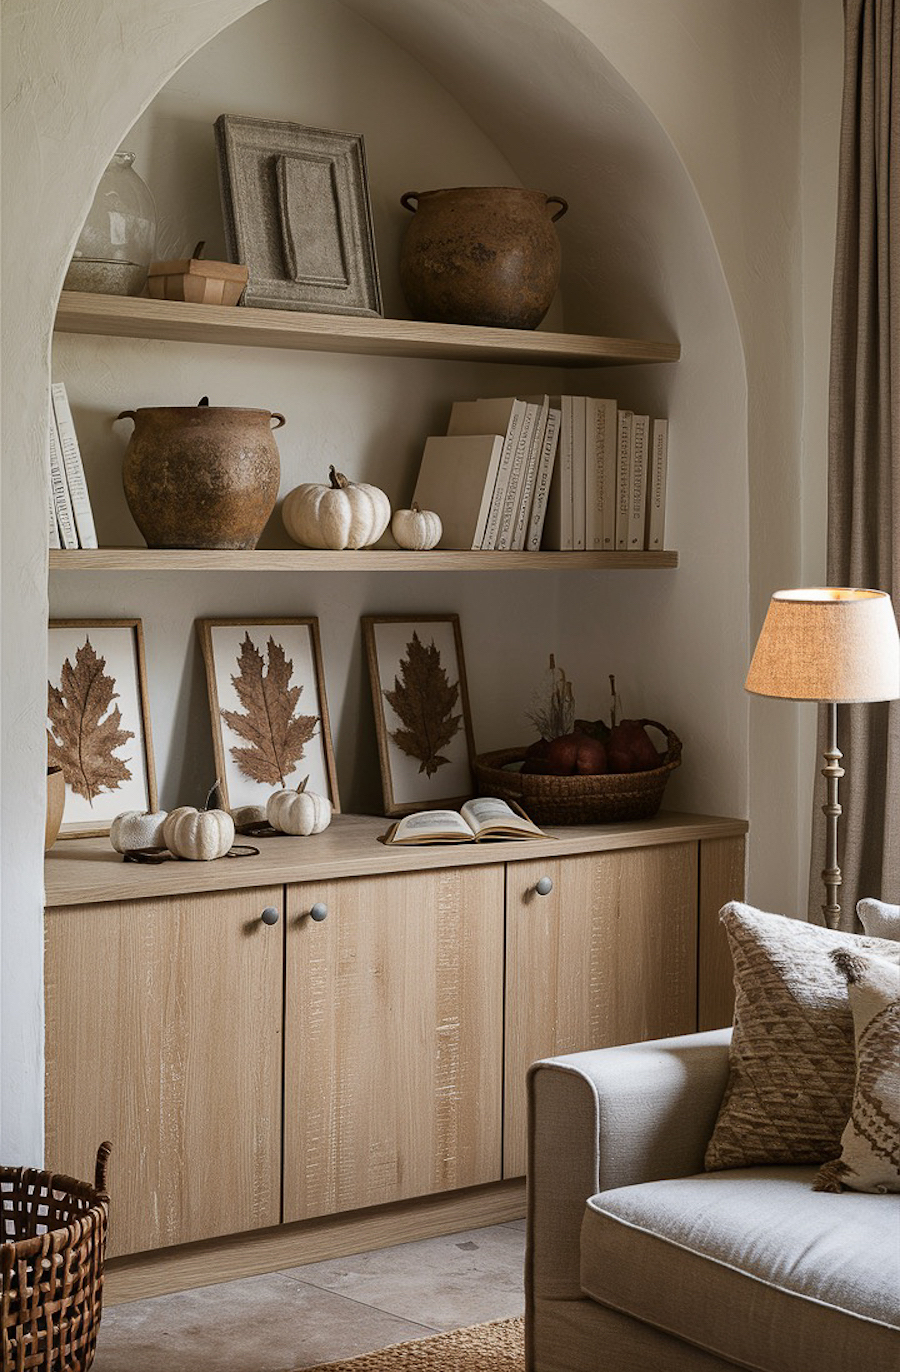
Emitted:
<point x="298" y="216"/>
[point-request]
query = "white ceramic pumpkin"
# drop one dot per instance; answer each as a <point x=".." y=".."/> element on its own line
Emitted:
<point x="298" y="812"/>
<point x="199" y="835"/>
<point x="137" y="829"/>
<point x="344" y="514"/>
<point x="416" y="529"/>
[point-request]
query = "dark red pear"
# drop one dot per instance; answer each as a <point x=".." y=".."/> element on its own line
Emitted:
<point x="629" y="748"/>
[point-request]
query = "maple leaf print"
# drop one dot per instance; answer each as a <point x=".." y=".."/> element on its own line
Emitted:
<point x="424" y="699"/>
<point x="276" y="736"/>
<point x="82" y="742"/>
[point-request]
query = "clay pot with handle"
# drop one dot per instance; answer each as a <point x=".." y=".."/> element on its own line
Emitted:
<point x="201" y="476"/>
<point x="485" y="255"/>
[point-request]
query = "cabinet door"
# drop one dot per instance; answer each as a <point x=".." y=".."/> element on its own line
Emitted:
<point x="393" y="1038"/>
<point x="608" y="956"/>
<point x="164" y="1036"/>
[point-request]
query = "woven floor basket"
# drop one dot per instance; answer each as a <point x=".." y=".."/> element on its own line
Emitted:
<point x="579" y="800"/>
<point x="54" y="1240"/>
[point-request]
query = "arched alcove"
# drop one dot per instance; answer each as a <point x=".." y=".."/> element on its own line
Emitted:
<point x="640" y="259"/>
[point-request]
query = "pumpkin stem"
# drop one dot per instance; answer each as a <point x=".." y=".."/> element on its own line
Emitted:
<point x="338" y="480"/>
<point x="302" y="787"/>
<point x="213" y="791"/>
<point x="414" y="507"/>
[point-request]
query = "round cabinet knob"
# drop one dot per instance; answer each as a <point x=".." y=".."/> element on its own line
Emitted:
<point x="270" y="915"/>
<point x="319" y="912"/>
<point x="544" y="886"/>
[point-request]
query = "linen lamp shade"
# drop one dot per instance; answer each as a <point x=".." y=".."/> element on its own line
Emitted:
<point x="828" y="644"/>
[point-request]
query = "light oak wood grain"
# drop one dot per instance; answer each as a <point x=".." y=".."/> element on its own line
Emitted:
<point x="142" y="1275"/>
<point x="163" y="1034"/>
<point x="88" y="871"/>
<point x="364" y="560"/>
<point x="393" y="1039"/>
<point x="609" y="956"/>
<point x="133" y="317"/>
<point x="722" y="864"/>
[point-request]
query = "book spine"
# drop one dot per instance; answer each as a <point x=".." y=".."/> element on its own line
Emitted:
<point x="608" y="459"/>
<point x="623" y="476"/>
<point x="526" y="501"/>
<point x="546" y="464"/>
<point x="54" y="522"/>
<point x="579" y="472"/>
<point x="600" y="472"/>
<point x="501" y="485"/>
<point x="61" y="500"/>
<point x="514" y="488"/>
<point x="565" y="475"/>
<point x="74" y="468"/>
<point x="656" y="486"/>
<point x="637" y="503"/>
<point x="487" y="494"/>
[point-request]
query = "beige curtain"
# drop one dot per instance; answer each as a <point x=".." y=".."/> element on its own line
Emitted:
<point x="864" y="440"/>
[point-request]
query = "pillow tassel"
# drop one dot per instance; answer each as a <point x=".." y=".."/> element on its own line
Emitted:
<point x="828" y="1177"/>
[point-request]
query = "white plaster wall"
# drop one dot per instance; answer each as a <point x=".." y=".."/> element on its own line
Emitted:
<point x="720" y="77"/>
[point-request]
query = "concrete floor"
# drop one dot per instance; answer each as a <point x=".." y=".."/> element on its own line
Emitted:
<point x="322" y="1312"/>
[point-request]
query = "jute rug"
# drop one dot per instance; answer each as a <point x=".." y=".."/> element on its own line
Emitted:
<point x="499" y="1345"/>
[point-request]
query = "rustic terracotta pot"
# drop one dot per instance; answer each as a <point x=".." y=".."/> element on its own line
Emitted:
<point x="201" y="477"/>
<point x="486" y="255"/>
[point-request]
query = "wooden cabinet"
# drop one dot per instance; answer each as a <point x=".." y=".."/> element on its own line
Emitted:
<point x="393" y="1038"/>
<point x="607" y="955"/>
<point x="164" y="1035"/>
<point x="396" y="1030"/>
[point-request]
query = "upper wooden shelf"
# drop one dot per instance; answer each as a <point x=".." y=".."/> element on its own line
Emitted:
<point x="122" y="316"/>
<point x="364" y="560"/>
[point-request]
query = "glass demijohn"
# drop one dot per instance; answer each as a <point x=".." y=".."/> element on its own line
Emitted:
<point x="117" y="242"/>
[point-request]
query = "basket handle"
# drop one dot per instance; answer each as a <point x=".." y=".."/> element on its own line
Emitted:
<point x="673" y="752"/>
<point x="103" y="1153"/>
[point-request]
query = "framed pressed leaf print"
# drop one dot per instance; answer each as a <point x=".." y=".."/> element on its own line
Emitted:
<point x="98" y="723"/>
<point x="421" y="705"/>
<point x="268" y="707"/>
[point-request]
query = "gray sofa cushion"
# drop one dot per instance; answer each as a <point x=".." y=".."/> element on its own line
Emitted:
<point x="754" y="1266"/>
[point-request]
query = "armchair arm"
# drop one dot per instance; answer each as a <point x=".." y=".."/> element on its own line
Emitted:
<point x="612" y="1117"/>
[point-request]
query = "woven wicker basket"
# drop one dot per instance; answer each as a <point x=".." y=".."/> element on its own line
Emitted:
<point x="609" y="799"/>
<point x="54" y="1231"/>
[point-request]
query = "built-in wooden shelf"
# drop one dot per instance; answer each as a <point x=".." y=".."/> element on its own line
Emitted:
<point x="363" y="560"/>
<point x="120" y="316"/>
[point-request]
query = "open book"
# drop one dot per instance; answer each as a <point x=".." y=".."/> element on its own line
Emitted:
<point x="484" y="818"/>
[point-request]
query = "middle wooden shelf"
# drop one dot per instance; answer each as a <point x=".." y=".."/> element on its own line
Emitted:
<point x="363" y="560"/>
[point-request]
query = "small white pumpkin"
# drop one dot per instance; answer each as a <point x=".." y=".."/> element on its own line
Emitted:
<point x="199" y="835"/>
<point x="345" y="514"/>
<point x="137" y="829"/>
<point x="416" y="529"/>
<point x="298" y="812"/>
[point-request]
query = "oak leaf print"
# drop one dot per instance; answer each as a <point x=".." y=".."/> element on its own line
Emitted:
<point x="423" y="698"/>
<point x="82" y="742"/>
<point x="275" y="735"/>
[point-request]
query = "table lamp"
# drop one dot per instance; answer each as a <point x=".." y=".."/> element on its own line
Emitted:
<point x="833" y="644"/>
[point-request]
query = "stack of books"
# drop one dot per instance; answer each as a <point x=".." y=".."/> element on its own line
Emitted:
<point x="71" y="517"/>
<point x="520" y="473"/>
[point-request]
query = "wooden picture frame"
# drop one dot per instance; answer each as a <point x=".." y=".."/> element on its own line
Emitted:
<point x="249" y="769"/>
<point x="298" y="216"/>
<point x="410" y="780"/>
<point x="98" y="721"/>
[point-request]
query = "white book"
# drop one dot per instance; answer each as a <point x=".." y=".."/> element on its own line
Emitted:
<point x="579" y="468"/>
<point x="546" y="464"/>
<point x="54" y="522"/>
<point x="600" y="474"/>
<point x="656" y="485"/>
<point x="498" y="416"/>
<point x="516" y="478"/>
<point x="637" y="498"/>
<point x="566" y="437"/>
<point x="61" y="500"/>
<point x="74" y="468"/>
<point x="456" y="480"/>
<point x="529" y="474"/>
<point x="624" y="447"/>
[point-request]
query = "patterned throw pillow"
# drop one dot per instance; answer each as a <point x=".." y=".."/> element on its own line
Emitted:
<point x="870" y="1143"/>
<point x="878" y="918"/>
<point x="792" y="1065"/>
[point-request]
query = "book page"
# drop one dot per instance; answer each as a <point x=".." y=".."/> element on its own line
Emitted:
<point x="489" y="812"/>
<point x="427" y="823"/>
